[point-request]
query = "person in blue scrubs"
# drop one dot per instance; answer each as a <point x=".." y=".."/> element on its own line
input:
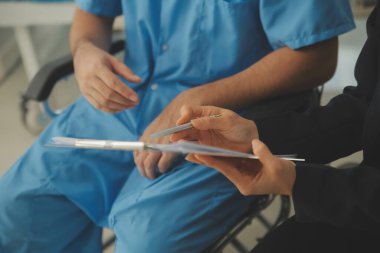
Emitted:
<point x="228" y="53"/>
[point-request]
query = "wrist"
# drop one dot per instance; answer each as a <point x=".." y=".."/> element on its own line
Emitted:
<point x="77" y="49"/>
<point x="190" y="97"/>
<point x="80" y="45"/>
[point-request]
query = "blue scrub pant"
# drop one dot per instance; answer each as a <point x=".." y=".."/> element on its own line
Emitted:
<point x="57" y="199"/>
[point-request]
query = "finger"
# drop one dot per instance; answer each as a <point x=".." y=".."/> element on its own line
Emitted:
<point x="193" y="159"/>
<point x="189" y="135"/>
<point x="139" y="163"/>
<point x="225" y="121"/>
<point x="97" y="104"/>
<point x="226" y="166"/>
<point x="114" y="83"/>
<point x="186" y="113"/>
<point x="150" y="161"/>
<point x="190" y="112"/>
<point x="104" y="103"/>
<point x="166" y="161"/>
<point x="214" y="161"/>
<point x="110" y="94"/>
<point x="262" y="151"/>
<point x="199" y="116"/>
<point x="209" y="123"/>
<point x="190" y="157"/>
<point x="124" y="71"/>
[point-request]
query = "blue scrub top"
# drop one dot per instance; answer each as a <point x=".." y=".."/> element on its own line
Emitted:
<point x="184" y="43"/>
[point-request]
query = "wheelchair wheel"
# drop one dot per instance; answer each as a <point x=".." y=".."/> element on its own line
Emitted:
<point x="33" y="117"/>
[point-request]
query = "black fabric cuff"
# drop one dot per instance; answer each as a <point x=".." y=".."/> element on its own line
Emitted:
<point x="307" y="193"/>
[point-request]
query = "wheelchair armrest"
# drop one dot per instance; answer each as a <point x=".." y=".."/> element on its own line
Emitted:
<point x="43" y="82"/>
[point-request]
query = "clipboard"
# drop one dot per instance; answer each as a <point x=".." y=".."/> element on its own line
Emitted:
<point x="183" y="147"/>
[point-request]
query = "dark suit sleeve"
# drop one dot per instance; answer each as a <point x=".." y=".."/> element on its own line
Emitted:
<point x="342" y="197"/>
<point x="322" y="133"/>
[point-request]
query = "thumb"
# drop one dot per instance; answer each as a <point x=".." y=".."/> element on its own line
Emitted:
<point x="186" y="113"/>
<point x="124" y="71"/>
<point x="208" y="123"/>
<point x="262" y="152"/>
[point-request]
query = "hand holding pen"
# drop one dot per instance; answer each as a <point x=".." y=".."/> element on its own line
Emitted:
<point x="268" y="174"/>
<point x="216" y="127"/>
<point x="210" y="125"/>
<point x="178" y="128"/>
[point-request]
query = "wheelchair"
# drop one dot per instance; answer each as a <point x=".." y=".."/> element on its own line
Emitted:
<point x="35" y="104"/>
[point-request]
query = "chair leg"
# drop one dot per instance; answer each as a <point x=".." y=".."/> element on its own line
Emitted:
<point x="264" y="221"/>
<point x="239" y="246"/>
<point x="27" y="52"/>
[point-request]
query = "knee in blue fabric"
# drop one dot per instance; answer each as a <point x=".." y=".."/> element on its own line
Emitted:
<point x="37" y="219"/>
<point x="185" y="210"/>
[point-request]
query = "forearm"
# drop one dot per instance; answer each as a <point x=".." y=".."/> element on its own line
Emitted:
<point x="282" y="72"/>
<point x="321" y="134"/>
<point x="342" y="197"/>
<point x="89" y="28"/>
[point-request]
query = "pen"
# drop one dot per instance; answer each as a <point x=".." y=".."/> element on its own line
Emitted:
<point x="179" y="128"/>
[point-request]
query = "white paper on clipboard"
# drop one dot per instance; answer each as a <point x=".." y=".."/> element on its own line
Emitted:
<point x="183" y="147"/>
<point x="186" y="147"/>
